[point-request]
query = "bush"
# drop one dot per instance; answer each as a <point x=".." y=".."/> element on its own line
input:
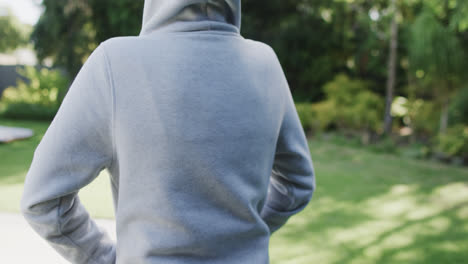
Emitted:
<point x="415" y="150"/>
<point x="459" y="107"/>
<point x="325" y="115"/>
<point x="38" y="98"/>
<point x="350" y="106"/>
<point x="422" y="116"/>
<point x="306" y="115"/>
<point x="315" y="118"/>
<point x="454" y="142"/>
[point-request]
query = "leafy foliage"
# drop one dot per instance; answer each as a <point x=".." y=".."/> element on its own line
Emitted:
<point x="459" y="107"/>
<point x="64" y="34"/>
<point x="454" y="142"/>
<point x="355" y="106"/>
<point x="39" y="98"/>
<point x="115" y="18"/>
<point x="12" y="33"/>
<point x="437" y="58"/>
<point x="422" y="117"/>
<point x="68" y="31"/>
<point x="349" y="105"/>
<point x="435" y="49"/>
<point x="316" y="39"/>
<point x="306" y="115"/>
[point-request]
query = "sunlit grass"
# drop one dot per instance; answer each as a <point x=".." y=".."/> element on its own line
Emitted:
<point x="368" y="207"/>
<point x="377" y="208"/>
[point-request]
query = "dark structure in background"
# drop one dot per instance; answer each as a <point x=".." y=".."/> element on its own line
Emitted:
<point x="8" y="76"/>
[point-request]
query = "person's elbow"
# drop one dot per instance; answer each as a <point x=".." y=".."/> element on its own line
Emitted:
<point x="30" y="209"/>
<point x="41" y="216"/>
<point x="31" y="206"/>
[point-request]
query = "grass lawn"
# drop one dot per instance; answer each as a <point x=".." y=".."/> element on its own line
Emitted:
<point x="368" y="208"/>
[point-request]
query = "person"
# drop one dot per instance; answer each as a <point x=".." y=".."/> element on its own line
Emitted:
<point x="197" y="127"/>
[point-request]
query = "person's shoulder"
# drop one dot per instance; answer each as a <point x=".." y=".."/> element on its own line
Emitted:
<point x="259" y="46"/>
<point x="119" y="40"/>
<point x="118" y="43"/>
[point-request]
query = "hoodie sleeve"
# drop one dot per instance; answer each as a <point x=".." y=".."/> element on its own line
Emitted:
<point x="292" y="181"/>
<point x="74" y="149"/>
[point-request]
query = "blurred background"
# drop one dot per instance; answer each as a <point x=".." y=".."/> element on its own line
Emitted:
<point x="380" y="87"/>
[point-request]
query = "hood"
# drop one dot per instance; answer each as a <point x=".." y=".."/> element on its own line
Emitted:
<point x="191" y="15"/>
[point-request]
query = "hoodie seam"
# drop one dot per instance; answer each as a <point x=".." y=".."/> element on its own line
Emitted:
<point x="110" y="80"/>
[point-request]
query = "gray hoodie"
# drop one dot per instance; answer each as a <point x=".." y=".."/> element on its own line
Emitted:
<point x="198" y="130"/>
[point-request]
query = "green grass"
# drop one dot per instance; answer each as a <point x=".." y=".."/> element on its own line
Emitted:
<point x="378" y="208"/>
<point x="368" y="207"/>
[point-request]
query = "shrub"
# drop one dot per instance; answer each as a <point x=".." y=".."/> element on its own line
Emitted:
<point x="315" y="118"/>
<point x="422" y="116"/>
<point x="459" y="107"/>
<point x="454" y="142"/>
<point x="325" y="115"/>
<point x="306" y="115"/>
<point x="37" y="98"/>
<point x="351" y="105"/>
<point x="415" y="150"/>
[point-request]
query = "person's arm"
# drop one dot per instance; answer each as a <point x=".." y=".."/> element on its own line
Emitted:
<point x="77" y="145"/>
<point x="292" y="180"/>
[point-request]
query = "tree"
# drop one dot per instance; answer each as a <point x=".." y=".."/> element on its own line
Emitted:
<point x="65" y="34"/>
<point x="437" y="59"/>
<point x="111" y="18"/>
<point x="390" y="87"/>
<point x="68" y="31"/>
<point x="12" y="33"/>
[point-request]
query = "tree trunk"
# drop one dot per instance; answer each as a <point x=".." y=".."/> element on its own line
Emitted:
<point x="444" y="116"/>
<point x="391" y="70"/>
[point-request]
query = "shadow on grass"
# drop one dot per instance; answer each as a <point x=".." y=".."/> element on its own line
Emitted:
<point x="437" y="238"/>
<point x="377" y="208"/>
<point x="447" y="243"/>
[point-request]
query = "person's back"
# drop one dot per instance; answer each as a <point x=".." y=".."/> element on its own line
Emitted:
<point x="191" y="120"/>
